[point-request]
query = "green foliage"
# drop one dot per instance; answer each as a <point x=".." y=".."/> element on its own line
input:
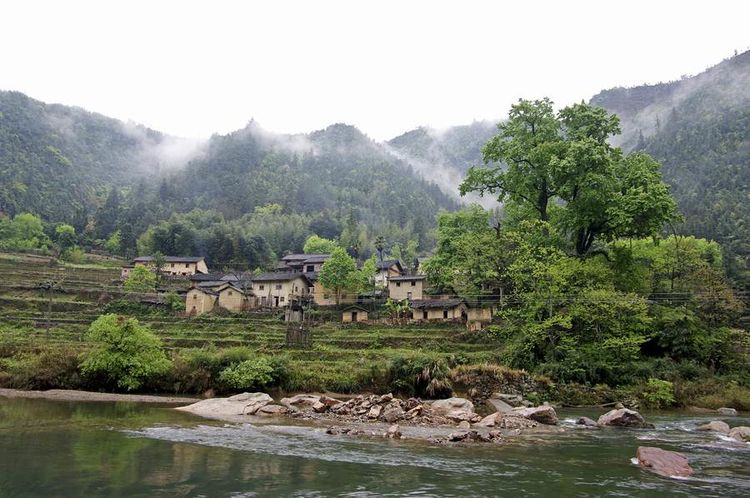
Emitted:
<point x="658" y="394"/>
<point x="124" y="352"/>
<point x="253" y="374"/>
<point x="140" y="279"/>
<point x="420" y="375"/>
<point x="339" y="273"/>
<point x="567" y="158"/>
<point x="25" y="231"/>
<point x="174" y="301"/>
<point x="319" y="245"/>
<point x="65" y="237"/>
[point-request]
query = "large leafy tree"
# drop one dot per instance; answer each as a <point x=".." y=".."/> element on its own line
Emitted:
<point x="541" y="159"/>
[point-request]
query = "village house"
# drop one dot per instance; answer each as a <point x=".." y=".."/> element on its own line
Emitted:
<point x="302" y="263"/>
<point x="438" y="309"/>
<point x="173" y="265"/>
<point x="409" y="287"/>
<point x="386" y="269"/>
<point x="353" y="314"/>
<point x="200" y="300"/>
<point x="277" y="289"/>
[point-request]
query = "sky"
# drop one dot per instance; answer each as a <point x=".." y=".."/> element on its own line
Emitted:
<point x="193" y="69"/>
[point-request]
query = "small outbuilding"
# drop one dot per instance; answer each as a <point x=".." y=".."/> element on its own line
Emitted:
<point x="354" y="314"/>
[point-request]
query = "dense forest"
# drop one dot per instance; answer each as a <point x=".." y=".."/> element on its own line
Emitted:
<point x="241" y="198"/>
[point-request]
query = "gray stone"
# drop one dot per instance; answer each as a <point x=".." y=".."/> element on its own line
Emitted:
<point x="586" y="421"/>
<point x="499" y="405"/>
<point x="394" y="432"/>
<point x="300" y="401"/>
<point x="464" y="425"/>
<point x="542" y="414"/>
<point x="741" y="433"/>
<point x="727" y="412"/>
<point x="240" y="404"/>
<point x="272" y="411"/>
<point x="392" y="413"/>
<point x="444" y="406"/>
<point x="715" y="426"/>
<point x="623" y="418"/>
<point x="374" y="411"/>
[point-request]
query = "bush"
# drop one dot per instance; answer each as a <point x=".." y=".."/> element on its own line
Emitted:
<point x="658" y="394"/>
<point x="140" y="279"/>
<point x="420" y="376"/>
<point x="252" y="374"/>
<point x="125" y="354"/>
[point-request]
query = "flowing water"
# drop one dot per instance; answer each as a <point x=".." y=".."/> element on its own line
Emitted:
<point x="74" y="449"/>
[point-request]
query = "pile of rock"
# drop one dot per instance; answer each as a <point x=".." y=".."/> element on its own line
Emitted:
<point x="385" y="408"/>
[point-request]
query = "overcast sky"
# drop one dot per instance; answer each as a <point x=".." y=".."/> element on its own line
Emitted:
<point x="197" y="68"/>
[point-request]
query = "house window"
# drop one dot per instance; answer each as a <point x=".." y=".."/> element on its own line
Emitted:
<point x="187" y="265"/>
<point x="281" y="299"/>
<point x="445" y="313"/>
<point x="413" y="284"/>
<point x="424" y="314"/>
<point x="310" y="268"/>
<point x="195" y="296"/>
<point x="230" y="293"/>
<point x="277" y="286"/>
<point x="172" y="265"/>
<point x="296" y="289"/>
<point x="408" y="295"/>
<point x="398" y="284"/>
<point x="261" y="287"/>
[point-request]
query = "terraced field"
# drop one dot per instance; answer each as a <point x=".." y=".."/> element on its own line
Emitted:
<point x="29" y="317"/>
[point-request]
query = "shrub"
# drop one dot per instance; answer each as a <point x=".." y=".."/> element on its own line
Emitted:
<point x="658" y="394"/>
<point x="125" y="353"/>
<point x="420" y="376"/>
<point x="251" y="374"/>
<point x="140" y="279"/>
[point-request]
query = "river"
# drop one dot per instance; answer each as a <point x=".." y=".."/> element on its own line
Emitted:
<point x="78" y="449"/>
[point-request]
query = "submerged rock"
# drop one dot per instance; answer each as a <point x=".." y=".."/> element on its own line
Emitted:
<point x="727" y="412"/>
<point x="394" y="432"/>
<point x="586" y="421"/>
<point x="623" y="417"/>
<point x="741" y="433"/>
<point x="663" y="462"/>
<point x="714" y="425"/>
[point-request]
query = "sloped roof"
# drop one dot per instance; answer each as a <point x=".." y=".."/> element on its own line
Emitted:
<point x="436" y="303"/>
<point x="317" y="258"/>
<point x="170" y="259"/>
<point x="387" y="263"/>
<point x="279" y="276"/>
<point x="355" y="307"/>
<point x="406" y="278"/>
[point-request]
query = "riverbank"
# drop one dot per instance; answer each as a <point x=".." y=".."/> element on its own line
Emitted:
<point x="73" y="395"/>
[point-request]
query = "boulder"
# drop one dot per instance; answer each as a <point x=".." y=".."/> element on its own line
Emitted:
<point x="714" y="425"/>
<point x="511" y="399"/>
<point x="619" y="406"/>
<point x="623" y="417"/>
<point x="272" y="411"/>
<point x="586" y="421"/>
<point x="374" y="411"/>
<point x="329" y="402"/>
<point x="464" y="425"/>
<point x="499" y="405"/>
<point x="300" y="401"/>
<point x="506" y="421"/>
<point x="489" y="420"/>
<point x="457" y="436"/>
<point x="542" y="414"/>
<point x="392" y="413"/>
<point x="461" y="415"/>
<point x="741" y="433"/>
<point x="386" y="398"/>
<point x="444" y="406"/>
<point x="240" y="404"/>
<point x="727" y="412"/>
<point x="663" y="462"/>
<point x="319" y="407"/>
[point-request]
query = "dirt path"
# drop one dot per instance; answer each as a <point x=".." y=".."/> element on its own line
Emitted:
<point x="65" y="395"/>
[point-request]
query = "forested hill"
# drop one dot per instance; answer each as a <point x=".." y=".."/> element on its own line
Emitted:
<point x="58" y="161"/>
<point x="444" y="155"/>
<point x="102" y="176"/>
<point x="699" y="128"/>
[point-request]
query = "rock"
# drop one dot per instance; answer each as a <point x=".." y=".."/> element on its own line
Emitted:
<point x="499" y="405"/>
<point x="714" y="425"/>
<point x="586" y="421"/>
<point x="414" y="412"/>
<point x="392" y="413"/>
<point x="329" y="402"/>
<point x="272" y="411"/>
<point x="461" y="415"/>
<point x="457" y="436"/>
<point x="394" y="432"/>
<point x="444" y="406"/>
<point x="489" y="420"/>
<point x="386" y="398"/>
<point x="464" y="425"/>
<point x="727" y="412"/>
<point x="506" y="421"/>
<point x="240" y="404"/>
<point x="663" y="462"/>
<point x="300" y="401"/>
<point x="741" y="433"/>
<point x="542" y="414"/>
<point x="623" y="418"/>
<point x="319" y="407"/>
<point x="511" y="399"/>
<point x="374" y="411"/>
<point x="619" y="406"/>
